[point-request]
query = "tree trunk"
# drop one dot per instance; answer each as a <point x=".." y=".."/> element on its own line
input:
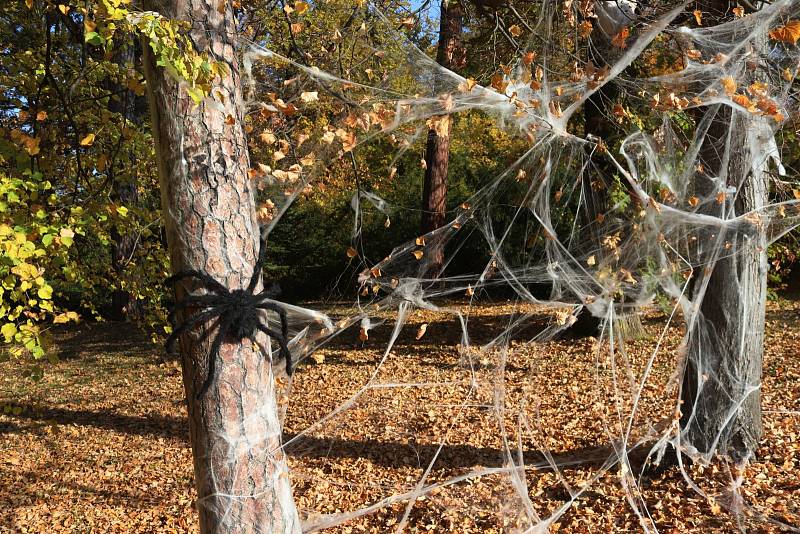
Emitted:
<point x="209" y="211"/>
<point x="721" y="395"/>
<point x="450" y="54"/>
<point x="597" y="123"/>
<point x="123" y="191"/>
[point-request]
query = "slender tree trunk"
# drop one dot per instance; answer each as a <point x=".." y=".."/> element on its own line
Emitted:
<point x="597" y="123"/>
<point x="209" y="211"/>
<point x="721" y="395"/>
<point x="450" y="55"/>
<point x="123" y="191"/>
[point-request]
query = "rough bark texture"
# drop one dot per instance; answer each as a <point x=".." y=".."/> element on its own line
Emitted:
<point x="721" y="409"/>
<point x="437" y="151"/>
<point x="208" y="203"/>
<point x="721" y="395"/>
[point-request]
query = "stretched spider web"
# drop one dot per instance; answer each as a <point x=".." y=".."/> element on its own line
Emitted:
<point x="609" y="255"/>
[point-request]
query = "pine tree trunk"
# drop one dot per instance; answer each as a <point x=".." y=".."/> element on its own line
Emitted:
<point x="209" y="212"/>
<point x="437" y="151"/>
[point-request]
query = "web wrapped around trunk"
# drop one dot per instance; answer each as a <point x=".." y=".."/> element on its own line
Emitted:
<point x="675" y="215"/>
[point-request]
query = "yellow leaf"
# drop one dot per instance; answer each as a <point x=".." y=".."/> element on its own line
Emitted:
<point x="318" y="358"/>
<point x="515" y="30"/>
<point x="729" y="84"/>
<point x="698" y="16"/>
<point x="738" y="11"/>
<point x="29" y="3"/>
<point x="310" y="96"/>
<point x="693" y="201"/>
<point x="88" y="140"/>
<point x="45" y="292"/>
<point x="418" y="254"/>
<point x="467" y="85"/>
<point x="41" y="116"/>
<point x="351" y="252"/>
<point x="8" y="330"/>
<point x="301" y="8"/>
<point x="64" y="9"/>
<point x="420" y="241"/>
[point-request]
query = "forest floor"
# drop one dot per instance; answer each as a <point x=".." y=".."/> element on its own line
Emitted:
<point x="100" y="444"/>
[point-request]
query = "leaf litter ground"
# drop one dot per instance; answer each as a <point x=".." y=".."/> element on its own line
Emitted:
<point x="101" y="443"/>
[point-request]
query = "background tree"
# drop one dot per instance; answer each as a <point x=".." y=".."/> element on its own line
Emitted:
<point x="451" y="55"/>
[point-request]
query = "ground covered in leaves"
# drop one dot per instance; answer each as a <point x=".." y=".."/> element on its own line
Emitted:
<point x="101" y="443"/>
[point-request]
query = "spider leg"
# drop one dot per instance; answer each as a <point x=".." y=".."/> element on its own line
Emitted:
<point x="189" y="323"/>
<point x="262" y="255"/>
<point x="200" y="301"/>
<point x="212" y="355"/>
<point x="283" y="343"/>
<point x="212" y="284"/>
<point x="281" y="312"/>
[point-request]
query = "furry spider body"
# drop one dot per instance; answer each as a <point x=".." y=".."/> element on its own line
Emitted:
<point x="238" y="313"/>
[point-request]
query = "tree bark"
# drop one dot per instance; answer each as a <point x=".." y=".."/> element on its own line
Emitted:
<point x="209" y="212"/>
<point x="597" y="123"/>
<point x="450" y="54"/>
<point x="720" y="394"/>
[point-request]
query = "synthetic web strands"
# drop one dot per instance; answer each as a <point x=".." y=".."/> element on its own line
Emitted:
<point x="696" y="178"/>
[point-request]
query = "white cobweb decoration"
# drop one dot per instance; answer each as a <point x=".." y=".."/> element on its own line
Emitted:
<point x="681" y="222"/>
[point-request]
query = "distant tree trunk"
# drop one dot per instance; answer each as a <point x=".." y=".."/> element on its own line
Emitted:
<point x="209" y="211"/>
<point x="450" y="55"/>
<point x="123" y="191"/>
<point x="597" y="123"/>
<point x="721" y="395"/>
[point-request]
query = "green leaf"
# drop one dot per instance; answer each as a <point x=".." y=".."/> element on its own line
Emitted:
<point x="94" y="38"/>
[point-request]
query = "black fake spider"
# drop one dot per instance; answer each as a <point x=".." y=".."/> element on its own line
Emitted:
<point x="238" y="312"/>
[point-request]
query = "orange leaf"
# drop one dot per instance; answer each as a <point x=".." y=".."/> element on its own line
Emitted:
<point x="619" y="39"/>
<point x="787" y="34"/>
